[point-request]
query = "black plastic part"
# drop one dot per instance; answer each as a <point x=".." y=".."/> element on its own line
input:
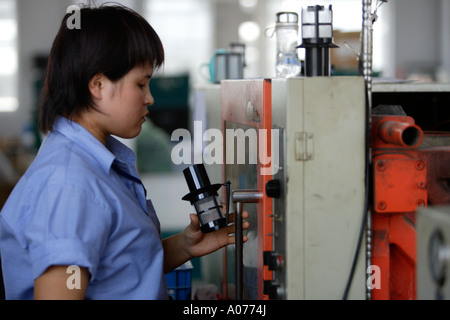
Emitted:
<point x="273" y="188"/>
<point x="198" y="183"/>
<point x="271" y="288"/>
<point x="196" y="177"/>
<point x="270" y="259"/>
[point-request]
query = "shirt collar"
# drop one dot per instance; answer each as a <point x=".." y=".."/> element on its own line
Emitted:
<point x="114" y="150"/>
<point x="122" y="153"/>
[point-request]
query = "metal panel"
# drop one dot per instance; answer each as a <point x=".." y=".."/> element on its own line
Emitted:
<point x="246" y="105"/>
<point x="324" y="191"/>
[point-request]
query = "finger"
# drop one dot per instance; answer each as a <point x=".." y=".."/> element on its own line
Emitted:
<point x="232" y="240"/>
<point x="232" y="216"/>
<point x="231" y="228"/>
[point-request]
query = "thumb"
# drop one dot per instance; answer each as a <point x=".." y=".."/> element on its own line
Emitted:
<point x="195" y="222"/>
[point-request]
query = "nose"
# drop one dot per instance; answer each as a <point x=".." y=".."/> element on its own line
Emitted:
<point x="148" y="100"/>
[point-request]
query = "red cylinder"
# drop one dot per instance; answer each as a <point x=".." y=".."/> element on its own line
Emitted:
<point x="400" y="133"/>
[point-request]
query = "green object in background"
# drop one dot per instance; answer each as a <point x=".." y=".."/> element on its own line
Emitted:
<point x="153" y="149"/>
<point x="170" y="110"/>
<point x="170" y="92"/>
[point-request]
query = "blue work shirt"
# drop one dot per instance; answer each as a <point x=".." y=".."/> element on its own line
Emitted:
<point x="72" y="208"/>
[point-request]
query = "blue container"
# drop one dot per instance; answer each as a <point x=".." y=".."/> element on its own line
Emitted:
<point x="179" y="282"/>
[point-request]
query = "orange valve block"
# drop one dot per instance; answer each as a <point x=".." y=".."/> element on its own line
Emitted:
<point x="399" y="187"/>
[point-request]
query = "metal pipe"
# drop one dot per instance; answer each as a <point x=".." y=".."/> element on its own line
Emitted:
<point x="239" y="197"/>
<point x="246" y="195"/>
<point x="366" y="49"/>
<point x="366" y="66"/>
<point x="239" y="256"/>
<point x="400" y="133"/>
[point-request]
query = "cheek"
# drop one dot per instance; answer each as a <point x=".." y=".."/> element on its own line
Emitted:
<point x="134" y="95"/>
<point x="126" y="101"/>
<point x="132" y="105"/>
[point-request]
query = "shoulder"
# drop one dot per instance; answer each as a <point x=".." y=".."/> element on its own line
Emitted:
<point x="62" y="158"/>
<point x="63" y="167"/>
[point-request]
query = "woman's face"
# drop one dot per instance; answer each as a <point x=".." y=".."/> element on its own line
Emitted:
<point x="126" y="101"/>
<point x="121" y="106"/>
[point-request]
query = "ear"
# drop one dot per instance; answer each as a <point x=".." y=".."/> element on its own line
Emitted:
<point x="96" y="85"/>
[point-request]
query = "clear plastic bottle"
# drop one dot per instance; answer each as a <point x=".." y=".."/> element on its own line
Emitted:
<point x="286" y="30"/>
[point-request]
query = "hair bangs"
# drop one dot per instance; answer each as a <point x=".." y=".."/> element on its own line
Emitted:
<point x="142" y="47"/>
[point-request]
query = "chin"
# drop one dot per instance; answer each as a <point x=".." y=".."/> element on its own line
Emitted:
<point x="135" y="134"/>
<point x="129" y="135"/>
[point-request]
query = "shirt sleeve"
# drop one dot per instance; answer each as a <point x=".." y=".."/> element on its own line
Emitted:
<point x="68" y="226"/>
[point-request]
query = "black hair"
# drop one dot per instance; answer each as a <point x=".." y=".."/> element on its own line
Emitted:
<point x="112" y="40"/>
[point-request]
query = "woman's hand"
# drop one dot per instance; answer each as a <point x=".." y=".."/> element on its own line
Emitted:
<point x="198" y="244"/>
<point x="192" y="242"/>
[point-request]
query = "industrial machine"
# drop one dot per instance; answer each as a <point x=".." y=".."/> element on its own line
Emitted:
<point x="306" y="191"/>
<point x="310" y="207"/>
<point x="307" y="214"/>
<point x="333" y="171"/>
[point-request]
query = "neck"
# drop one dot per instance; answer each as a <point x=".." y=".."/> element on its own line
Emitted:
<point x="89" y="122"/>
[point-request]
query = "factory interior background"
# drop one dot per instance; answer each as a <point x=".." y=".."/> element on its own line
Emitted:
<point x="411" y="42"/>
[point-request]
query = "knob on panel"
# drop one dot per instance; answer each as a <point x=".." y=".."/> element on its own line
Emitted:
<point x="273" y="188"/>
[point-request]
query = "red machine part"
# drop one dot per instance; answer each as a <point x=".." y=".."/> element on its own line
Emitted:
<point x="399" y="187"/>
<point x="404" y="178"/>
<point x="438" y="172"/>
